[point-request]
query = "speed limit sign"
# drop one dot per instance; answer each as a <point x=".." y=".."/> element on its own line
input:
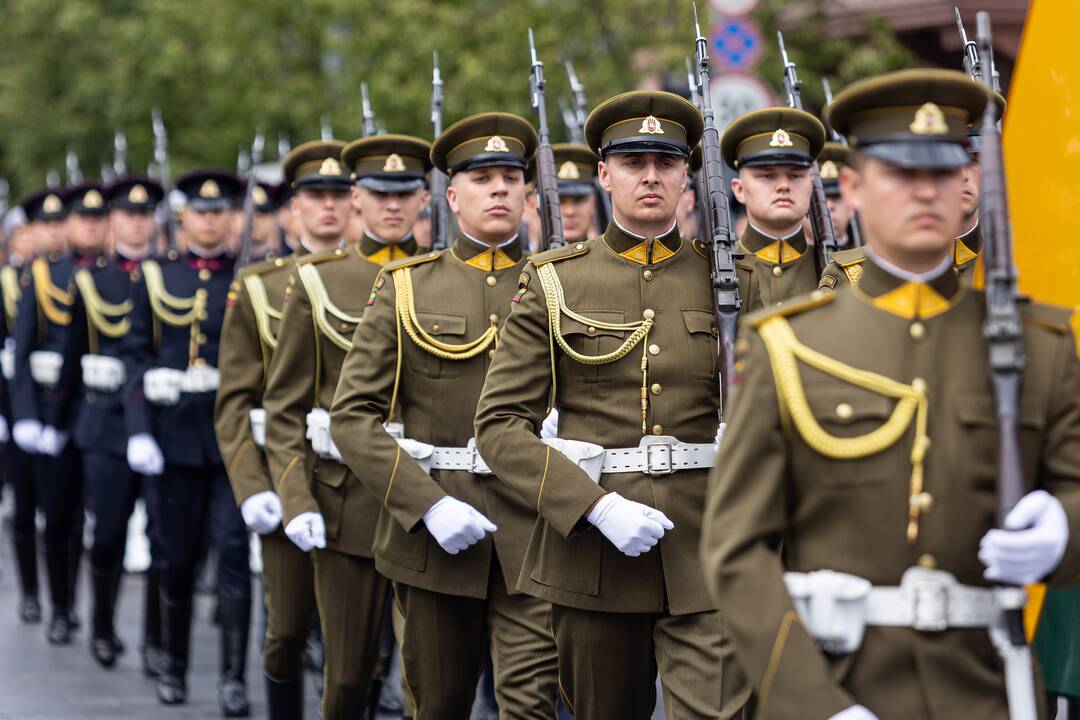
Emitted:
<point x="737" y="94"/>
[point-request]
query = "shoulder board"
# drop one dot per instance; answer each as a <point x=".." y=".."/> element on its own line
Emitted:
<point x="414" y="260"/>
<point x="847" y="258"/>
<point x="1051" y="317"/>
<point x="808" y="302"/>
<point x="699" y="248"/>
<point x="745" y="263"/>
<point x="263" y="267"/>
<point x="321" y="257"/>
<point x="560" y="253"/>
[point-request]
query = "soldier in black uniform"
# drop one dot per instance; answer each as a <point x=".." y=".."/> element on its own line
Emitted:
<point x="44" y="315"/>
<point x="89" y="394"/>
<point x="170" y="356"/>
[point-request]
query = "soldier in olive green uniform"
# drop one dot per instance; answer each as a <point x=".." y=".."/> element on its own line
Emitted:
<point x="618" y="333"/>
<point x="420" y="357"/>
<point x="772" y="149"/>
<point x="576" y="172"/>
<point x="857" y="467"/>
<point x="325" y="506"/>
<point x="252" y="327"/>
<point x="831" y="160"/>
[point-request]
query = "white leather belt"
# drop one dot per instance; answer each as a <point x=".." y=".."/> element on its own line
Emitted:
<point x="200" y="378"/>
<point x="45" y="367"/>
<point x="655" y="455"/>
<point x="162" y="386"/>
<point x="836" y="607"/>
<point x="434" y="457"/>
<point x="258" y="426"/>
<point x="103" y="373"/>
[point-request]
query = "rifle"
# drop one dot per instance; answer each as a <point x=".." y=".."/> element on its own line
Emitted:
<point x="719" y="241"/>
<point x="5" y="196"/>
<point x="74" y="173"/>
<point x="119" y="164"/>
<point x="439" y="210"/>
<point x="1003" y="330"/>
<point x="580" y="112"/>
<point x="972" y="65"/>
<point x="283" y="145"/>
<point x="368" y="129"/>
<point x="326" y="132"/>
<point x="820" y="220"/>
<point x="164" y="176"/>
<point x="547" y="183"/>
<point x="254" y="159"/>
<point x="854" y="229"/>
<point x="704" y="229"/>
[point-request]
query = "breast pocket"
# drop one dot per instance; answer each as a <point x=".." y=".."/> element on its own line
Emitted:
<point x="590" y="341"/>
<point x="978" y="423"/>
<point x="445" y="328"/>
<point x="850" y="413"/>
<point x="701" y="339"/>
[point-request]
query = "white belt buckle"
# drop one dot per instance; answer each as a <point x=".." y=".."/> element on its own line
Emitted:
<point x="930" y="606"/>
<point x="652" y="470"/>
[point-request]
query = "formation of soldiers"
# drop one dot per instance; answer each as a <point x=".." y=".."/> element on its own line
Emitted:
<point x="519" y="452"/>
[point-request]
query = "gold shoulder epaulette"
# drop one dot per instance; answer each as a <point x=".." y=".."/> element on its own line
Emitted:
<point x="12" y="292"/>
<point x="809" y="302"/>
<point x="699" y="248"/>
<point x="1055" y="318"/>
<point x="109" y="319"/>
<point x="48" y="295"/>
<point x="847" y="258"/>
<point x="321" y="257"/>
<point x="414" y="260"/>
<point x="560" y="253"/>
<point x="171" y="309"/>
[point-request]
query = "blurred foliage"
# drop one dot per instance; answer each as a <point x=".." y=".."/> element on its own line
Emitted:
<point x="71" y="71"/>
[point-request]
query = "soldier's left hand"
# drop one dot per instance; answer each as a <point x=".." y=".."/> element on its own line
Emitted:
<point x="52" y="441"/>
<point x="262" y="512"/>
<point x="1031" y="545"/>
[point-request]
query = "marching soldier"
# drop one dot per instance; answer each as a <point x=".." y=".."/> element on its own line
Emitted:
<point x="252" y="330"/>
<point x="44" y="317"/>
<point x="264" y="226"/>
<point x="325" y="507"/>
<point x="618" y="333"/>
<point x="419" y="358"/>
<point x="171" y="354"/>
<point x="89" y="397"/>
<point x="833" y="158"/>
<point x="289" y="228"/>
<point x="576" y="170"/>
<point x="772" y="149"/>
<point x="862" y="483"/>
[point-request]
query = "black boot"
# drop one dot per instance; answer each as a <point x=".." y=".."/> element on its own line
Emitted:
<point x="172" y="682"/>
<point x="154" y="658"/>
<point x="104" y="645"/>
<point x="26" y="560"/>
<point x="235" y="624"/>
<point x="59" y="574"/>
<point x="285" y="698"/>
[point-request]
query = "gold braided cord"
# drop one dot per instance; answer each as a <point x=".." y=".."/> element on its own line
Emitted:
<point x="406" y="311"/>
<point x="48" y="294"/>
<point x="9" y="283"/>
<point x="321" y="305"/>
<point x="264" y="312"/>
<point x="101" y="314"/>
<point x="785" y="351"/>
<point x="169" y="308"/>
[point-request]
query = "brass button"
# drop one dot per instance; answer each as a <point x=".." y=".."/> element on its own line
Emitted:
<point x="924" y="501"/>
<point x="917" y="330"/>
<point x="656" y="388"/>
<point x="777" y="271"/>
<point x="657" y="429"/>
<point x="648" y="275"/>
<point x="654" y="349"/>
<point x="344" y="327"/>
<point x="102" y="261"/>
<point x="844" y="411"/>
<point x="713" y="330"/>
<point x="339" y="252"/>
<point x="491" y="280"/>
<point x="926" y="560"/>
<point x="648" y="314"/>
<point x="491" y="354"/>
<point x="918" y="385"/>
<point x="579" y="246"/>
<point x="435" y="327"/>
<point x="591" y="330"/>
<point x="204" y="274"/>
<point x="201" y="339"/>
<point x="279" y="262"/>
<point x="493" y="318"/>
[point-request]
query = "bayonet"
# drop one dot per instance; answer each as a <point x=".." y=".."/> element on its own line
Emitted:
<point x="119" y="165"/>
<point x="369" y="127"/>
<point x="547" y="182"/>
<point x="438" y="208"/>
<point x="74" y="172"/>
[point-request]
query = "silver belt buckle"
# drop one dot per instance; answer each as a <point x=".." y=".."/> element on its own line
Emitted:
<point x="930" y="606"/>
<point x="655" y="471"/>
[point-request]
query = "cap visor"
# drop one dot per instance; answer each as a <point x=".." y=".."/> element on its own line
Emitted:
<point x="491" y="160"/>
<point x="930" y="155"/>
<point x="575" y="188"/>
<point x="199" y="204"/>
<point x="775" y="158"/>
<point x="645" y="144"/>
<point x="390" y="185"/>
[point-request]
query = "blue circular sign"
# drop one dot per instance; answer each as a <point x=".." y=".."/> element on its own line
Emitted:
<point x="736" y="43"/>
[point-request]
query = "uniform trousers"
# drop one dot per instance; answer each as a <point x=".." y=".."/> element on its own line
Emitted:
<point x="112" y="488"/>
<point x="608" y="664"/>
<point x="59" y="483"/>
<point x="443" y="644"/>
<point x="19" y="472"/>
<point x="289" y="598"/>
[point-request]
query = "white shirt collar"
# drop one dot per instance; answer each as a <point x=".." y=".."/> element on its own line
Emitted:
<point x="941" y="269"/>
<point x="487" y="246"/>
<point x="642" y="237"/>
<point x="206" y="254"/>
<point x="786" y="238"/>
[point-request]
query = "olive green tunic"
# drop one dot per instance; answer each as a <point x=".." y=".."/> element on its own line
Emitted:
<point x="773" y="271"/>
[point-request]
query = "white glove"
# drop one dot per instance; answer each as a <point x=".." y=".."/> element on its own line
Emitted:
<point x="144" y="456"/>
<point x="307" y="531"/>
<point x="4" y="434"/>
<point x="262" y="511"/>
<point x="719" y="435"/>
<point x="1031" y="545"/>
<point x="550" y="428"/>
<point x="630" y="526"/>
<point x="456" y="525"/>
<point x="51" y="442"/>
<point x="855" y="712"/>
<point x="27" y="434"/>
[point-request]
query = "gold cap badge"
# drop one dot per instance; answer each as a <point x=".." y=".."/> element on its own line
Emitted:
<point x="92" y="200"/>
<point x="138" y="195"/>
<point x="330" y="166"/>
<point x="780" y="138"/>
<point x="829" y="170"/>
<point x="258" y="195"/>
<point x="210" y="189"/>
<point x="394" y="164"/>
<point x="569" y="171"/>
<point x="52" y="204"/>
<point x="496" y="144"/>
<point x="929" y="120"/>
<point x="651" y="126"/>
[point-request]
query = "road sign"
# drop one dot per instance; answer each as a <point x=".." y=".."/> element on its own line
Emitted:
<point x="736" y="43"/>
<point x="734" y="7"/>
<point x="736" y="94"/>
